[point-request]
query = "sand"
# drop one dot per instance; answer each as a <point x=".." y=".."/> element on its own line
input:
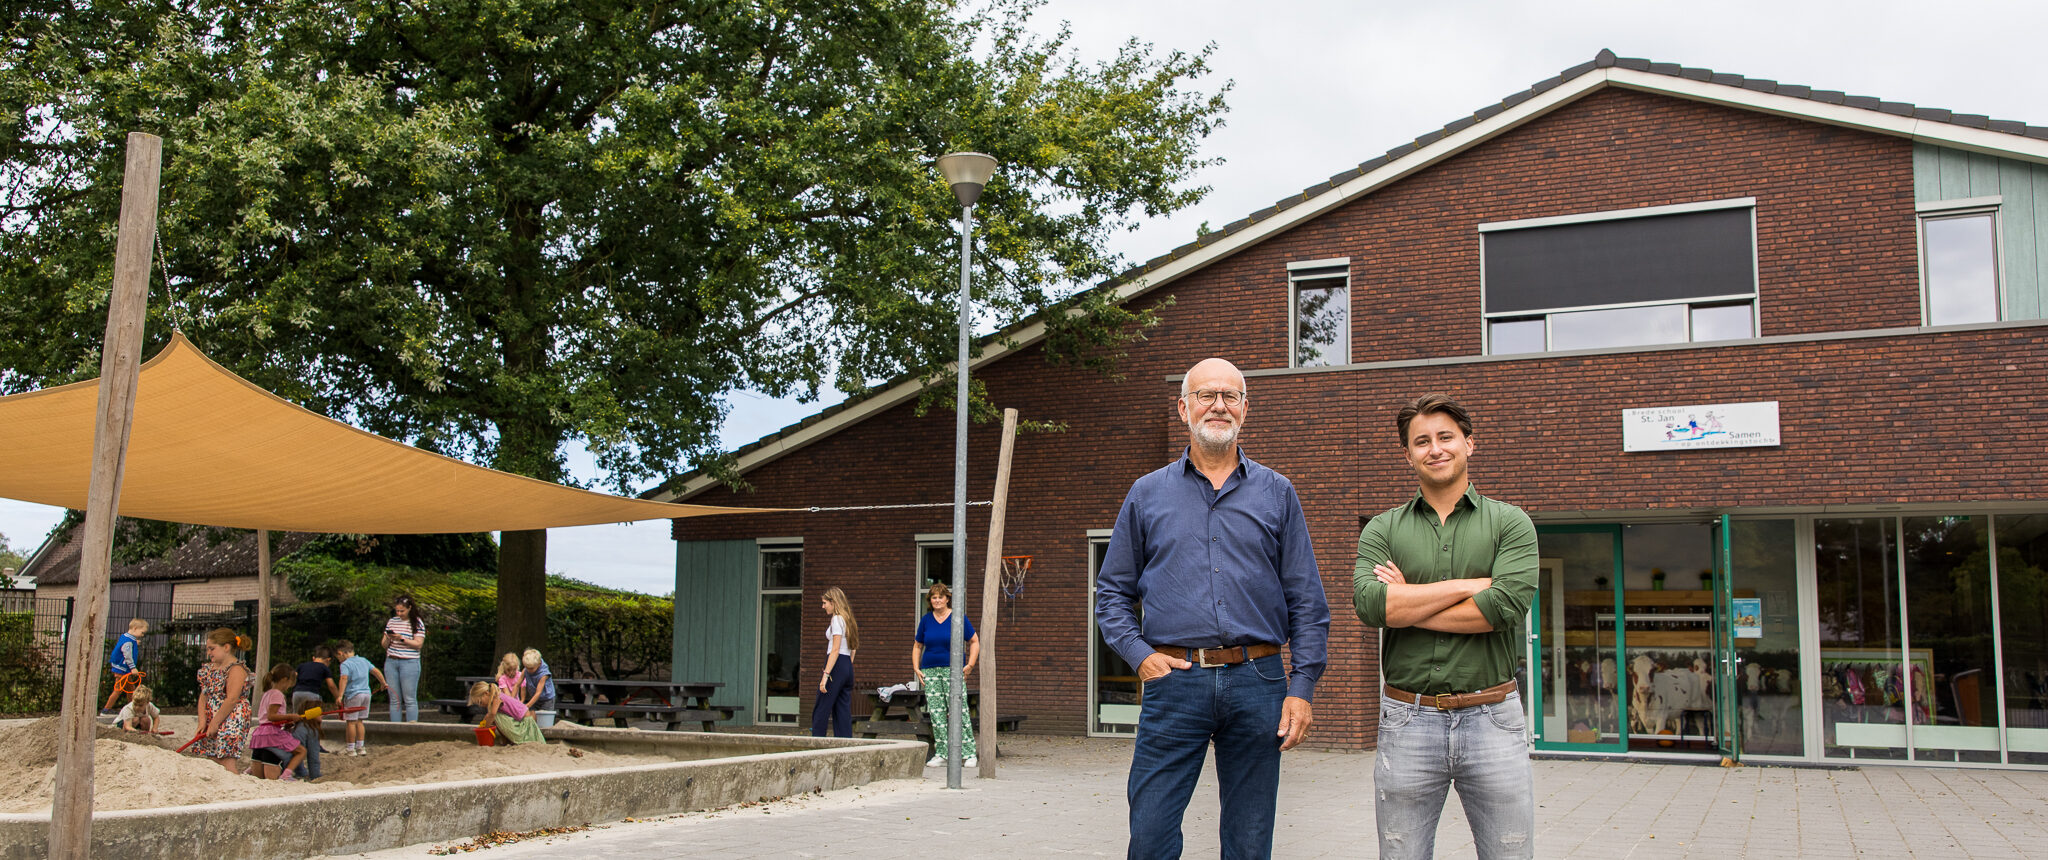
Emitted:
<point x="137" y="771"/>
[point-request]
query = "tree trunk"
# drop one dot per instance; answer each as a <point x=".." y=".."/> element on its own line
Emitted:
<point x="522" y="590"/>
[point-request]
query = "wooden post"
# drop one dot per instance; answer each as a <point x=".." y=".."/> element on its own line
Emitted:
<point x="120" y="367"/>
<point x="991" y="578"/>
<point x="262" y="604"/>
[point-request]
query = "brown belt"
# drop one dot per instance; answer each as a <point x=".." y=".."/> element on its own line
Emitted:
<point x="1221" y="655"/>
<point x="1454" y="701"/>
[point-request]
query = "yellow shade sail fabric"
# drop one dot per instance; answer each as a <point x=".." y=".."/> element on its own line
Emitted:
<point x="209" y="448"/>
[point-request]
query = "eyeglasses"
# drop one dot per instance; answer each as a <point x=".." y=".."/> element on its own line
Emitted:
<point x="1208" y="397"/>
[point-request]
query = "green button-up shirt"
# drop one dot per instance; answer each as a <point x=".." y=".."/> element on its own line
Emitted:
<point x="1483" y="537"/>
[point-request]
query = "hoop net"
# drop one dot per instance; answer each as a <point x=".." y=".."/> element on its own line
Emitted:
<point x="1015" y="568"/>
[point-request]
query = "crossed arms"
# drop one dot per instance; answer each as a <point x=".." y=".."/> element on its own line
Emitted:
<point x="1481" y="604"/>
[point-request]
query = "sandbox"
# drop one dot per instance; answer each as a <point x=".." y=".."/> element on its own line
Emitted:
<point x="185" y="807"/>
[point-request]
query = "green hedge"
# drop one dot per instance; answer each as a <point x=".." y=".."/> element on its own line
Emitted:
<point x="592" y="631"/>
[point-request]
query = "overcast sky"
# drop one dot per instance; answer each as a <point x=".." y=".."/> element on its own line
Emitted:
<point x="1321" y="86"/>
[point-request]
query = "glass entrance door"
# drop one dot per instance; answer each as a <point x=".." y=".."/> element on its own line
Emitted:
<point x="1576" y="685"/>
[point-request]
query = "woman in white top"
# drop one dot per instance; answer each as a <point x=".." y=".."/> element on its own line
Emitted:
<point x="404" y="635"/>
<point x="835" y="688"/>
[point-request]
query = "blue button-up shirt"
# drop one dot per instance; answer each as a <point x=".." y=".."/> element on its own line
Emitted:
<point x="1214" y="567"/>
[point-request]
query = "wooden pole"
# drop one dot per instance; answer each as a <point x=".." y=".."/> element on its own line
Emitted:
<point x="120" y="367"/>
<point x="262" y="603"/>
<point x="991" y="577"/>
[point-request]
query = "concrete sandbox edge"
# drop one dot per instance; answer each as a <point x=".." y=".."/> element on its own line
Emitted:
<point x="369" y="819"/>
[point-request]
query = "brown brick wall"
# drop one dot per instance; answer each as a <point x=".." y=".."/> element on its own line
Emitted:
<point x="1921" y="418"/>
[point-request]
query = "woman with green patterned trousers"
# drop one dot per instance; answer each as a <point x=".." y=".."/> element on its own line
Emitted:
<point x="932" y="654"/>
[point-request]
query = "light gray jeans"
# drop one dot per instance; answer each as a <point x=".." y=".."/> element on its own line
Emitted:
<point x="1483" y="749"/>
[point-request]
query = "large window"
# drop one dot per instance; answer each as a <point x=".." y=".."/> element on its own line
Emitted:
<point x="1667" y="274"/>
<point x="1959" y="265"/>
<point x="782" y="607"/>
<point x="1320" y="303"/>
<point x="1931" y="637"/>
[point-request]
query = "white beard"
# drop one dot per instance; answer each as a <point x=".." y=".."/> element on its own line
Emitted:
<point x="1214" y="439"/>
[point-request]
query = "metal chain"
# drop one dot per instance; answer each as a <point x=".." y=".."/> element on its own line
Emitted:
<point x="892" y="507"/>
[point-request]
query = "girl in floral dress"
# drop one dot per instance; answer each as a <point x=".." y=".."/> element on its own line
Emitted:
<point x="223" y="700"/>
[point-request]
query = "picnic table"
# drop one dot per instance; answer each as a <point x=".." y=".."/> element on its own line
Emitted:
<point x="903" y="714"/>
<point x="672" y="703"/>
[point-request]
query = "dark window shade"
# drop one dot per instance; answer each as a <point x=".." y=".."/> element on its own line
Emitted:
<point x="1659" y="258"/>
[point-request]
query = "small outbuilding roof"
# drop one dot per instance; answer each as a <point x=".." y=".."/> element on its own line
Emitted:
<point x="199" y="557"/>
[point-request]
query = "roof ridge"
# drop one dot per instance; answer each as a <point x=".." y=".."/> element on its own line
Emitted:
<point x="1605" y="59"/>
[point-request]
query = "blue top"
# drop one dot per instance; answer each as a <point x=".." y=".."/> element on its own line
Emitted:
<point x="937" y="638"/>
<point x="1214" y="567"/>
<point x="358" y="671"/>
<point x="122" y="659"/>
<point x="533" y="679"/>
<point x="313" y="675"/>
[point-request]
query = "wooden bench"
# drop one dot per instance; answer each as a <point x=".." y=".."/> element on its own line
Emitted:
<point x="673" y="716"/>
<point x="461" y="708"/>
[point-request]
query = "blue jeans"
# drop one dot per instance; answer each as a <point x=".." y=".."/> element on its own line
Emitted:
<point x="835" y="705"/>
<point x="1483" y="748"/>
<point x="403" y="674"/>
<point x="1237" y="708"/>
<point x="309" y="740"/>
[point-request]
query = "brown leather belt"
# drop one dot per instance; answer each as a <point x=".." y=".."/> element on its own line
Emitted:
<point x="1454" y="701"/>
<point x="1221" y="655"/>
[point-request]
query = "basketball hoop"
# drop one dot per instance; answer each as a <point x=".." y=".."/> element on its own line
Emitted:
<point x="1015" y="568"/>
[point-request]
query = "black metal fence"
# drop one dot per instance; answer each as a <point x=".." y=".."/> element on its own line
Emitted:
<point x="32" y="647"/>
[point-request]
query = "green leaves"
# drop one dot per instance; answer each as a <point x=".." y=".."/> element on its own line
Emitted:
<point x="492" y="226"/>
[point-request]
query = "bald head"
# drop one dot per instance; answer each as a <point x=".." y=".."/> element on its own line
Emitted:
<point x="1210" y="370"/>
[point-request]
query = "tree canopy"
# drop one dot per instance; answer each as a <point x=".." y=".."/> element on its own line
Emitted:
<point x="495" y="227"/>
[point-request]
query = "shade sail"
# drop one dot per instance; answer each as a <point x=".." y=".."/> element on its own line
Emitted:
<point x="208" y="447"/>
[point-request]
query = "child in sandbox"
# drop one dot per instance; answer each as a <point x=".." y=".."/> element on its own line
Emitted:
<point x="139" y="715"/>
<point x="223" y="703"/>
<point x="274" y="751"/>
<point x="355" y="674"/>
<point x="506" y="712"/>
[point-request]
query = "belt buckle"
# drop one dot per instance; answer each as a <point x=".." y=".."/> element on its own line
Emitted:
<point x="1438" y="701"/>
<point x="1202" y="658"/>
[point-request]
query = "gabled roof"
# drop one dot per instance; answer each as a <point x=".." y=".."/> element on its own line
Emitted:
<point x="1971" y="132"/>
<point x="199" y="557"/>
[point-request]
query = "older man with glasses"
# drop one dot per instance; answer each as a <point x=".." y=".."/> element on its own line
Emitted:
<point x="1214" y="547"/>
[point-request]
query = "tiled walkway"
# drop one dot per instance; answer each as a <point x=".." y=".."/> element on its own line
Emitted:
<point x="1065" y="796"/>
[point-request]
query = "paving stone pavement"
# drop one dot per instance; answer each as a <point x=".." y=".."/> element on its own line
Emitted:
<point x="1065" y="796"/>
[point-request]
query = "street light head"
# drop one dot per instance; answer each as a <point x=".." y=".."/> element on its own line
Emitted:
<point x="968" y="173"/>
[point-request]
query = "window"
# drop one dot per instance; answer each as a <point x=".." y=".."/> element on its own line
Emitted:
<point x="1115" y="696"/>
<point x="1959" y="261"/>
<point x="1638" y="277"/>
<point x="782" y="606"/>
<point x="1320" y="307"/>
<point x="934" y="564"/>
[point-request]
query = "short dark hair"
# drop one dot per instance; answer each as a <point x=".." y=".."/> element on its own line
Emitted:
<point x="322" y="652"/>
<point x="1441" y="404"/>
<point x="344" y="645"/>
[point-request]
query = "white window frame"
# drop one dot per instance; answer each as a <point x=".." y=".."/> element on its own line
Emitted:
<point x="919" y="574"/>
<point x="762" y="547"/>
<point x="1754" y="296"/>
<point x="1961" y="208"/>
<point x="1307" y="271"/>
<point x="1097" y="538"/>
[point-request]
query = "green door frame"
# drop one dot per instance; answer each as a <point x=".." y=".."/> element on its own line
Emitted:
<point x="1727" y="731"/>
<point x="1536" y="669"/>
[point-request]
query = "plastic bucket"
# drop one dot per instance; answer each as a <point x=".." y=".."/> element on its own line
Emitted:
<point x="486" y="736"/>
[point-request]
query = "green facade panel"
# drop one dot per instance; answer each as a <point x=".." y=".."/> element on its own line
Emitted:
<point x="717" y="601"/>
<point x="1942" y="174"/>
